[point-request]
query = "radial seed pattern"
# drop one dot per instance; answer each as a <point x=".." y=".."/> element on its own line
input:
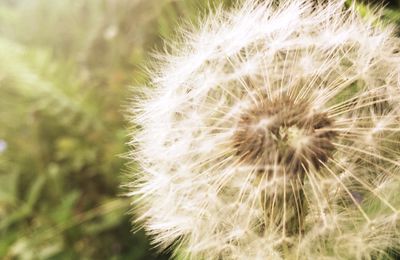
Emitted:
<point x="272" y="132"/>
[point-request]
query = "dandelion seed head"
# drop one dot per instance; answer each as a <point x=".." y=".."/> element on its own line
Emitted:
<point x="272" y="132"/>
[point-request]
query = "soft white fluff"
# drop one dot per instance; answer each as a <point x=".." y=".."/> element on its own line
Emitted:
<point x="194" y="192"/>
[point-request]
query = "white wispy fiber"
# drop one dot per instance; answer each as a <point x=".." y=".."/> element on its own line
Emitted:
<point x="272" y="132"/>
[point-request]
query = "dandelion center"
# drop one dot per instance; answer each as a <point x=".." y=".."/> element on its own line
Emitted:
<point x="284" y="133"/>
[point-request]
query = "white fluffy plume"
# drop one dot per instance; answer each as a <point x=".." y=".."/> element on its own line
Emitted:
<point x="272" y="132"/>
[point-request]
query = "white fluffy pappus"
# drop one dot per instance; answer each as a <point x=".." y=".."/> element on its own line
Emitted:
<point x="272" y="132"/>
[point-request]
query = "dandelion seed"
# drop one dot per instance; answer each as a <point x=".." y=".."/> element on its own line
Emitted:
<point x="272" y="132"/>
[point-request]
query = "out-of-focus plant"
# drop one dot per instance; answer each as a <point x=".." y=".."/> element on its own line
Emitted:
<point x="65" y="71"/>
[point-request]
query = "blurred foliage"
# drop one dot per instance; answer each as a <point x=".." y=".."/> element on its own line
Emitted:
<point x="65" y="71"/>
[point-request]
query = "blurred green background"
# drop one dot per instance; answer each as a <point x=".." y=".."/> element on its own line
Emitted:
<point x="66" y="71"/>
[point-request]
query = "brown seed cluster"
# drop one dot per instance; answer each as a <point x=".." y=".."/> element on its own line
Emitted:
<point x="284" y="133"/>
